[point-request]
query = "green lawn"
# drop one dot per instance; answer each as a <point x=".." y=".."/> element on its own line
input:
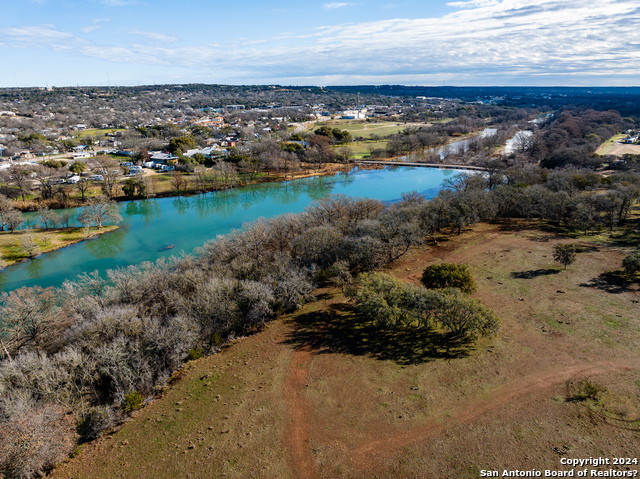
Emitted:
<point x="367" y="129"/>
<point x="99" y="132"/>
<point x="362" y="149"/>
<point x="12" y="250"/>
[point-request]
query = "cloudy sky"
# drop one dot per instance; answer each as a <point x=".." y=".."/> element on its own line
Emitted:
<point x="424" y="42"/>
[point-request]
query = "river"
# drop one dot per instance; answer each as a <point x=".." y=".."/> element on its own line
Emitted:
<point x="162" y="227"/>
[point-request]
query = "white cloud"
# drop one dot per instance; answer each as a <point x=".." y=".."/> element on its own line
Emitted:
<point x="519" y="41"/>
<point x="474" y="4"/>
<point x="36" y="33"/>
<point x="96" y="25"/>
<point x="157" y="37"/>
<point x="334" y="5"/>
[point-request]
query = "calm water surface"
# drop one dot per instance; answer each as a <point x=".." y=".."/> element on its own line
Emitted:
<point x="162" y="227"/>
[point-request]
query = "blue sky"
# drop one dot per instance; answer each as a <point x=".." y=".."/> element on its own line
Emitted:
<point x="428" y="42"/>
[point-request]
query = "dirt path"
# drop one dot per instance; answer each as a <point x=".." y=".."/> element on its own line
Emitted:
<point x="367" y="455"/>
<point x="373" y="453"/>
<point x="296" y="440"/>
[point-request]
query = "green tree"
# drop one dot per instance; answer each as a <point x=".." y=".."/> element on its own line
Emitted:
<point x="449" y="275"/>
<point x="129" y="188"/>
<point x="181" y="144"/>
<point x="54" y="163"/>
<point x="632" y="263"/>
<point x="565" y="254"/>
<point x="391" y="304"/>
<point x="463" y="316"/>
<point x="78" y="167"/>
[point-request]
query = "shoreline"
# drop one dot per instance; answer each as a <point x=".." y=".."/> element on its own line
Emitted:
<point x="40" y="235"/>
<point x="328" y="170"/>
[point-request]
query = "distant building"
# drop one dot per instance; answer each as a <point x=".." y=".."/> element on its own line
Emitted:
<point x="161" y="157"/>
<point x="354" y="114"/>
<point x="215" y="122"/>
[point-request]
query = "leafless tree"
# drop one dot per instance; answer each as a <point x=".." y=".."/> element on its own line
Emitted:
<point x="99" y="210"/>
<point x="178" y="181"/>
<point x="19" y="176"/>
<point x="31" y="319"/>
<point x="29" y="245"/>
<point x="83" y="186"/>
<point x="110" y="171"/>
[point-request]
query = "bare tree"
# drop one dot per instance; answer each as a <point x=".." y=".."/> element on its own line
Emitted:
<point x="6" y="207"/>
<point x="14" y="220"/>
<point x="83" y="186"/>
<point x="225" y="173"/>
<point x="49" y="218"/>
<point x="31" y="318"/>
<point x="178" y="181"/>
<point x="110" y="171"/>
<point x="19" y="176"/>
<point x="99" y="210"/>
<point x="29" y="245"/>
<point x="48" y="178"/>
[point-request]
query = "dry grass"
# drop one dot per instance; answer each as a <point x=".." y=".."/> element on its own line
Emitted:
<point x="613" y="146"/>
<point x="314" y="396"/>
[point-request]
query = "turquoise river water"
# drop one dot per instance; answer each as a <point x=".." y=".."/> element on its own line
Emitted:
<point x="162" y="227"/>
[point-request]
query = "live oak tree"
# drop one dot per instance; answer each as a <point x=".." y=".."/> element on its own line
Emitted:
<point x="449" y="275"/>
<point x="632" y="263"/>
<point x="565" y="254"/>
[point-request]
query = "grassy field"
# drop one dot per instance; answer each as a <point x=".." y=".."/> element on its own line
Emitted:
<point x="97" y="132"/>
<point x="612" y="147"/>
<point x="314" y="395"/>
<point x="366" y="130"/>
<point x="362" y="149"/>
<point x="12" y="250"/>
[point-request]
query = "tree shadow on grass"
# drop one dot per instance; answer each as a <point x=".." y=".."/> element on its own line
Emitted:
<point x="615" y="282"/>
<point x="534" y="273"/>
<point x="337" y="329"/>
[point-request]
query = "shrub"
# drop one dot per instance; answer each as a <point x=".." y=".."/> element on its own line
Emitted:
<point x="34" y="439"/>
<point x="132" y="401"/>
<point x="94" y="422"/>
<point x="587" y="390"/>
<point x="449" y="275"/>
<point x="194" y="353"/>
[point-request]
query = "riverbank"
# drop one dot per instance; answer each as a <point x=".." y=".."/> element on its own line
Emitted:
<point x="15" y="247"/>
<point x="163" y="187"/>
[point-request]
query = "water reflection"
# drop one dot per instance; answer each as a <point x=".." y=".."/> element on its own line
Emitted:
<point x="107" y="245"/>
<point x="180" y="204"/>
<point x="148" y="209"/>
<point x="201" y="204"/>
<point x="34" y="268"/>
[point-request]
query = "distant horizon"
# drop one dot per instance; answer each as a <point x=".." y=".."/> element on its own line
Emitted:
<point x="141" y="85"/>
<point x="462" y="43"/>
